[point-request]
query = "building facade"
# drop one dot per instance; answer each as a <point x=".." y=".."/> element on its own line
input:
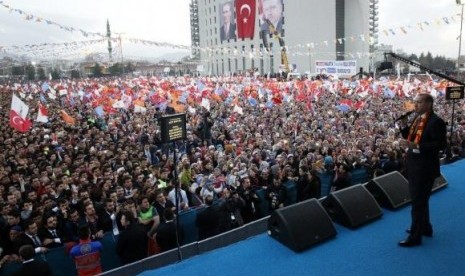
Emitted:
<point x="309" y="31"/>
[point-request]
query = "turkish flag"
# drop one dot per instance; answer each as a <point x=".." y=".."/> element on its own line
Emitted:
<point x="42" y="115"/>
<point x="245" y="11"/>
<point x="18" y="123"/>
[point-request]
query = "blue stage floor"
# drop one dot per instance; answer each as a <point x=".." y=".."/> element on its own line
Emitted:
<point x="369" y="250"/>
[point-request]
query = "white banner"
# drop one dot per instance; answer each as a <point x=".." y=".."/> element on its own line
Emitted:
<point x="336" y="67"/>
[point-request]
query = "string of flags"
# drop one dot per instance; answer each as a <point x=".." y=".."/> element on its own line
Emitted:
<point x="365" y="38"/>
<point x="39" y="19"/>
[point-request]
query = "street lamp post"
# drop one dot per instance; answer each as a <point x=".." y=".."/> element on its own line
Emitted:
<point x="309" y="59"/>
<point x="459" y="2"/>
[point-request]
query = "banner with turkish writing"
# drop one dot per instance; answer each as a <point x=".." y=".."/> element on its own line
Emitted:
<point x="245" y="18"/>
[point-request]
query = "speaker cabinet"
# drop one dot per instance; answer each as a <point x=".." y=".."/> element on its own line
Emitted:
<point x="352" y="207"/>
<point x="439" y="182"/>
<point x="390" y="190"/>
<point x="301" y="225"/>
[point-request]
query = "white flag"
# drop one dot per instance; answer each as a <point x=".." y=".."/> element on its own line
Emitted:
<point x="19" y="107"/>
<point x="119" y="104"/>
<point x="205" y="103"/>
<point x="139" y="109"/>
<point x="238" y="109"/>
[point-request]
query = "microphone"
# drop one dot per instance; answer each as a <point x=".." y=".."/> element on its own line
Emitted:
<point x="404" y="116"/>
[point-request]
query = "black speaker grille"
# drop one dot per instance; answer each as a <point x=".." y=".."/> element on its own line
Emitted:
<point x="352" y="207"/>
<point x="390" y="190"/>
<point x="301" y="225"/>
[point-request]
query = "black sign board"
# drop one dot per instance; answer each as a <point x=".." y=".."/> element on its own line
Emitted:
<point x="454" y="92"/>
<point x="172" y="127"/>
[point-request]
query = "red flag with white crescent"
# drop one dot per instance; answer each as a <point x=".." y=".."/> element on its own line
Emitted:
<point x="18" y="113"/>
<point x="18" y="123"/>
<point x="245" y="19"/>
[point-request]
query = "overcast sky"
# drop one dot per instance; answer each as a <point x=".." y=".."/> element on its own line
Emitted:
<point x="168" y="21"/>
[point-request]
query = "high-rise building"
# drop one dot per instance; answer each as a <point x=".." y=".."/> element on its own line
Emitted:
<point x="195" y="34"/>
<point x="231" y="36"/>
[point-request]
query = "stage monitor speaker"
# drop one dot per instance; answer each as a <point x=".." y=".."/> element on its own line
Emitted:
<point x="301" y="225"/>
<point x="439" y="182"/>
<point x="390" y="190"/>
<point x="352" y="206"/>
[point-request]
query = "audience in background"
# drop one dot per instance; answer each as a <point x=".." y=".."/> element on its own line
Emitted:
<point x="108" y="171"/>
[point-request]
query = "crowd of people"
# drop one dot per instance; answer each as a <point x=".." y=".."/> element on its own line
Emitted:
<point x="107" y="169"/>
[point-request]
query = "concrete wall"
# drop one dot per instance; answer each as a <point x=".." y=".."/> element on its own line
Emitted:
<point x="357" y="15"/>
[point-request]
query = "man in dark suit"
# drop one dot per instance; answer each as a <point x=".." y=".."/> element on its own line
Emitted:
<point x="71" y="226"/>
<point x="30" y="237"/>
<point x="132" y="243"/>
<point x="208" y="220"/>
<point x="49" y="234"/>
<point x="228" y="29"/>
<point x="166" y="232"/>
<point x="426" y="136"/>
<point x="107" y="217"/>
<point x="161" y="204"/>
<point x="30" y="266"/>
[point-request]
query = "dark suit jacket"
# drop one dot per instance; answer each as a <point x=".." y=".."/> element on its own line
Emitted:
<point x="231" y="32"/>
<point x="71" y="231"/>
<point x="105" y="221"/>
<point x="132" y="244"/>
<point x="166" y="236"/>
<point x="45" y="234"/>
<point x="23" y="239"/>
<point x="161" y="209"/>
<point x="208" y="222"/>
<point x="426" y="163"/>
<point x="34" y="268"/>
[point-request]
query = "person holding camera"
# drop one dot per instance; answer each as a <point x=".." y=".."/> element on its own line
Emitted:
<point x="204" y="128"/>
<point x="230" y="209"/>
<point x="251" y="210"/>
<point x="276" y="194"/>
<point x="308" y="184"/>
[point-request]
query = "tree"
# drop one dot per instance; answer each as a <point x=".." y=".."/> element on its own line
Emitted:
<point x="413" y="57"/>
<point x="129" y="68"/>
<point x="55" y="74"/>
<point x="41" y="74"/>
<point x="97" y="70"/>
<point x="116" y="69"/>
<point x="436" y="63"/>
<point x="17" y="70"/>
<point x="75" y="74"/>
<point x="429" y="60"/>
<point x="30" y="72"/>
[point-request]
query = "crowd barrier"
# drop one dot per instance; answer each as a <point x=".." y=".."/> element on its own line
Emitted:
<point x="62" y="264"/>
<point x="192" y="249"/>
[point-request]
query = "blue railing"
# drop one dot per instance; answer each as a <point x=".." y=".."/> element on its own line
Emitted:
<point x="62" y="264"/>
